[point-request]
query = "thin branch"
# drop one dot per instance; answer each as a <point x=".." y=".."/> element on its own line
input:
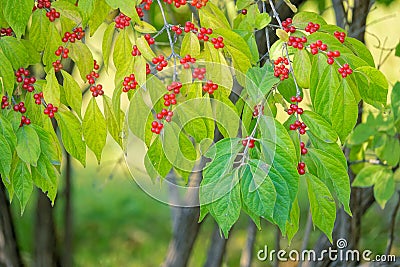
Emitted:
<point x="393" y="225"/>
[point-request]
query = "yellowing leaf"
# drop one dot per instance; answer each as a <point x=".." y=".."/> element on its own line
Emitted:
<point x="282" y="35"/>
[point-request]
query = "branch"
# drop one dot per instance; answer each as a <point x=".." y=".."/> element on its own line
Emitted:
<point x="340" y="13"/>
<point x="393" y="225"/>
<point x="216" y="250"/>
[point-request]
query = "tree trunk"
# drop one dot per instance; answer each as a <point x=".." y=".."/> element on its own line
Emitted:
<point x="45" y="236"/>
<point x="67" y="259"/>
<point x="216" y="250"/>
<point x="9" y="251"/>
<point x="247" y="252"/>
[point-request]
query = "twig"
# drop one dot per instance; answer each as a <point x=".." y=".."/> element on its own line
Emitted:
<point x="393" y="225"/>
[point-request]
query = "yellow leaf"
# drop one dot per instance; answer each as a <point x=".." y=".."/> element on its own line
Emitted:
<point x="282" y="35"/>
<point x="291" y="6"/>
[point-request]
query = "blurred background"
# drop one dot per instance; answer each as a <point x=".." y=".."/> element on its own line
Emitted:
<point x="115" y="223"/>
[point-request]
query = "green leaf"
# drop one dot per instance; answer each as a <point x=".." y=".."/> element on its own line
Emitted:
<point x="86" y="7"/>
<point x="361" y="134"/>
<point x="373" y="86"/>
<point x="51" y="92"/>
<point x="322" y="205"/>
<point x="83" y="58"/>
<point x="126" y="7"/>
<point x="73" y="93"/>
<point x="301" y="19"/>
<point x="39" y="31"/>
<point x="234" y="40"/>
<point x="330" y="169"/>
<point x="344" y="111"/>
<point x="6" y="130"/>
<point x="6" y="157"/>
<point x="287" y="88"/>
<point x="52" y="44"/>
<point x="397" y="51"/>
<point x="262" y="21"/>
<point x="389" y="152"/>
<point x="395" y="103"/>
<point x="226" y="117"/>
<point x="16" y="52"/>
<point x="242" y="4"/>
<point x="384" y="187"/>
<point x="122" y="50"/>
<point x="258" y="191"/>
<point x="137" y="115"/>
<point x="283" y="200"/>
<point x="226" y="202"/>
<point x="94" y="129"/>
<point x="22" y="183"/>
<point x="293" y="226"/>
<point x="6" y="74"/>
<point x="17" y="14"/>
<point x="28" y="145"/>
<point x="368" y="176"/>
<point x="49" y="144"/>
<point x="71" y="135"/>
<point x="302" y="68"/>
<point x="241" y="64"/>
<point x="156" y="159"/>
<point x="278" y="150"/>
<point x="260" y="81"/>
<point x="98" y="17"/>
<point x="107" y="43"/>
<point x="145" y="48"/>
<point x="68" y="10"/>
<point x="145" y="27"/>
<point x="212" y="17"/>
<point x="360" y="50"/>
<point x="190" y="45"/>
<point x="114" y="126"/>
<point x="319" y="126"/>
<point x="45" y="177"/>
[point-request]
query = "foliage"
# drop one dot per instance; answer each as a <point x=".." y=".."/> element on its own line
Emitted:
<point x="176" y="111"/>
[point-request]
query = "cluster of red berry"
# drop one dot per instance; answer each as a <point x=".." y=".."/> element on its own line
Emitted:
<point x="169" y="99"/>
<point x="57" y="65"/>
<point x="6" y="32"/>
<point x="345" y="70"/>
<point x="303" y="148"/>
<point x="248" y="141"/>
<point x="28" y="82"/>
<point x="160" y="62"/>
<point x="148" y="70"/>
<point x="20" y="107"/>
<point x="176" y="29"/>
<point x="287" y="25"/>
<point x="122" y="21"/>
<point x="96" y="89"/>
<point x="187" y="60"/>
<point x="301" y="168"/>
<point x="135" y="51"/>
<point x="199" y="3"/>
<point x="218" y="42"/>
<point x="140" y="12"/>
<point x="129" y="83"/>
<point x="311" y="27"/>
<point x="199" y="73"/>
<point x="52" y="14"/>
<point x="147" y="4"/>
<point x="294" y="108"/>
<point x="202" y="34"/>
<point x="340" y="36"/>
<point x="50" y="110"/>
<point x="331" y="56"/>
<point x="297" y="42"/>
<point x="318" y="45"/>
<point x="38" y="98"/>
<point x="24" y="121"/>
<point x="177" y="3"/>
<point x="298" y="125"/>
<point x="4" y="102"/>
<point x="280" y="69"/>
<point x="77" y="34"/>
<point x="61" y="51"/>
<point x="156" y="127"/>
<point x="256" y="110"/>
<point x="150" y="40"/>
<point x="43" y="4"/>
<point x="210" y="87"/>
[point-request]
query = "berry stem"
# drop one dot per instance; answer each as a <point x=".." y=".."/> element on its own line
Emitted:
<point x="171" y="42"/>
